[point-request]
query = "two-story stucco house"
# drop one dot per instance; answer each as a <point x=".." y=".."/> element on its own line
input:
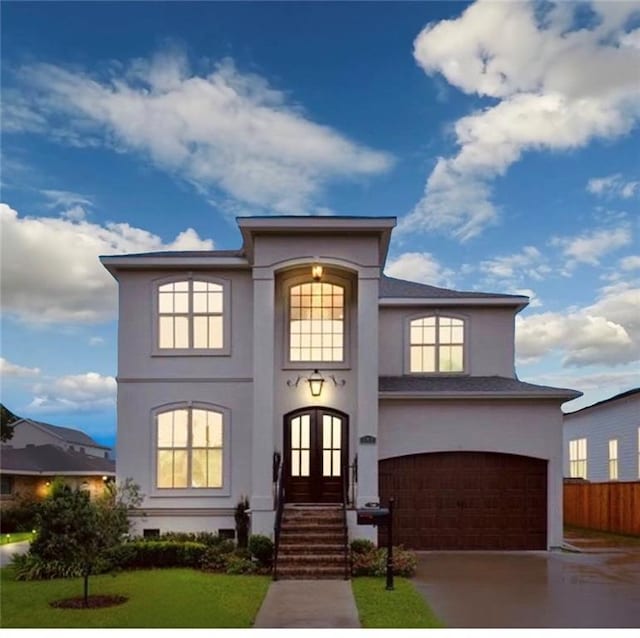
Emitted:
<point x="297" y="347"/>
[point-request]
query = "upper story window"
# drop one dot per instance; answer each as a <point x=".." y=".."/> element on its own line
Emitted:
<point x="613" y="459"/>
<point x="436" y="344"/>
<point x="578" y="458"/>
<point x="189" y="449"/>
<point x="192" y="315"/>
<point x="316" y="322"/>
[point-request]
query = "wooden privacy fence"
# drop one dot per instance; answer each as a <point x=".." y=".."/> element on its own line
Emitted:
<point x="611" y="507"/>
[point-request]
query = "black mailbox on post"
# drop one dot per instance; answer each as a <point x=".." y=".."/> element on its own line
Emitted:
<point x="373" y="516"/>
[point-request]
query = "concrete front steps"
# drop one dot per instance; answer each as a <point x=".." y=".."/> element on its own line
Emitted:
<point x="312" y="543"/>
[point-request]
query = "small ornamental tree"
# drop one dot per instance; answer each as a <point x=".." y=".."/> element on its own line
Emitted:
<point x="79" y="532"/>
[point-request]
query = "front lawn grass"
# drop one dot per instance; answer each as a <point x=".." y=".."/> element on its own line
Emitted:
<point x="16" y="537"/>
<point x="157" y="598"/>
<point x="403" y="607"/>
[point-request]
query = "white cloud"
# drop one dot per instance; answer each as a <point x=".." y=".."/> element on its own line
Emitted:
<point x="554" y="90"/>
<point x="225" y="130"/>
<point x="589" y="247"/>
<point x="79" y="392"/>
<point x="632" y="262"/>
<point x="8" y="369"/>
<point x="50" y="268"/>
<point x="529" y="263"/>
<point x="96" y="341"/>
<point x="613" y="186"/>
<point x="65" y="199"/>
<point x="420" y="267"/>
<point x="606" y="332"/>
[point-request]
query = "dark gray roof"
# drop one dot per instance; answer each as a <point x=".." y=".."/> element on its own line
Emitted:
<point x="392" y="287"/>
<point x="51" y="459"/>
<point x="490" y="385"/>
<point x="68" y="434"/>
<point x="185" y="253"/>
<point x="617" y="397"/>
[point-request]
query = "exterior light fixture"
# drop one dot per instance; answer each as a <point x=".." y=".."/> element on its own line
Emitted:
<point x="316" y="381"/>
<point x="316" y="272"/>
<point x="105" y="479"/>
<point x="47" y="483"/>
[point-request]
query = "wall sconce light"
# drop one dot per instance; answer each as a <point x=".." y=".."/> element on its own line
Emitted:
<point x="316" y="272"/>
<point x="316" y="382"/>
<point x="47" y="483"/>
<point x="105" y="478"/>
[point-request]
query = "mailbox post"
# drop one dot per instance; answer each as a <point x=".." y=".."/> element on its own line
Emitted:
<point x="377" y="516"/>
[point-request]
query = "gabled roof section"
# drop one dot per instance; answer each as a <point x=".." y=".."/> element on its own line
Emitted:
<point x="451" y="387"/>
<point x="394" y="290"/>
<point x="51" y="459"/>
<point x="68" y="435"/>
<point x="251" y="226"/>
<point x="617" y="397"/>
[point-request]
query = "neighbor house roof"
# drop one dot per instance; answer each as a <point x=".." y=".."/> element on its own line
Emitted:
<point x="51" y="459"/>
<point x="617" y="397"/>
<point x="445" y="387"/>
<point x="66" y="434"/>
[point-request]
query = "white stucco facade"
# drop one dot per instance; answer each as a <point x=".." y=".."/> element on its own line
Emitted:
<point x="254" y="385"/>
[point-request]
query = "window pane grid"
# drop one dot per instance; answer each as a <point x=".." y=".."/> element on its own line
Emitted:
<point x="436" y="344"/>
<point x="190" y="315"/>
<point x="300" y="445"/>
<point x="189" y="449"/>
<point x="331" y="445"/>
<point x="316" y="322"/>
<point x="578" y="458"/>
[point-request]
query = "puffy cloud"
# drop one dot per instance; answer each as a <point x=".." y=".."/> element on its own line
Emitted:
<point x="631" y="262"/>
<point x="589" y="247"/>
<point x="79" y="392"/>
<point x="65" y="199"/>
<point x="50" y="266"/>
<point x="606" y="332"/>
<point x="225" y="130"/>
<point x="420" y="267"/>
<point x="613" y="186"/>
<point x="8" y="369"/>
<point x="529" y="263"/>
<point x="554" y="89"/>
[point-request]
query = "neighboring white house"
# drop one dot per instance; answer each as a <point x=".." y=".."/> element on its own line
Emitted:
<point x="296" y="344"/>
<point x="602" y="441"/>
<point x="29" y="432"/>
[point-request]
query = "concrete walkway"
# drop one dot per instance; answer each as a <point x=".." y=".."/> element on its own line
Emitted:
<point x="7" y="551"/>
<point x="308" y="604"/>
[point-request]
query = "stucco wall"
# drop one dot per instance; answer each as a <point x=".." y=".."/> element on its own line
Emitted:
<point x="489" y="339"/>
<point x="619" y="420"/>
<point x="529" y="428"/>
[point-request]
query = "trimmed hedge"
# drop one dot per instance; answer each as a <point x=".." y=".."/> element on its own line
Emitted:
<point x="162" y="554"/>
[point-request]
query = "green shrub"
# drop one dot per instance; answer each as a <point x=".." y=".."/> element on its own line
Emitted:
<point x="163" y="554"/>
<point x="206" y="538"/>
<point x="374" y="562"/>
<point x="239" y="565"/>
<point x="33" y="567"/>
<point x="21" y="516"/>
<point x="362" y="546"/>
<point x="215" y="558"/>
<point x="261" y="548"/>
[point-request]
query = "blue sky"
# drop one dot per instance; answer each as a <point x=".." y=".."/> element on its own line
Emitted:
<point x="504" y="137"/>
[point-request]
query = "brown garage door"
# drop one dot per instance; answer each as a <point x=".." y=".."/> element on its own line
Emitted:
<point x="467" y="500"/>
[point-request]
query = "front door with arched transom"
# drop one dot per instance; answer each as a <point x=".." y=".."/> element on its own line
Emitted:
<point x="315" y="448"/>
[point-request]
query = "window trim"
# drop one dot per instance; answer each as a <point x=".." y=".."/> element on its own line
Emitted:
<point x="225" y="489"/>
<point x="328" y="278"/>
<point x="576" y="462"/>
<point x="191" y="276"/>
<point x="465" y="344"/>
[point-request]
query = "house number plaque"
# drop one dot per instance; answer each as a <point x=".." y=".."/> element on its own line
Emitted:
<point x="367" y="439"/>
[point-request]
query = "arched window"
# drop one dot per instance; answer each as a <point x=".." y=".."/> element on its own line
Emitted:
<point x="436" y="344"/>
<point x="189" y="448"/>
<point x="316" y="322"/>
<point x="191" y="315"/>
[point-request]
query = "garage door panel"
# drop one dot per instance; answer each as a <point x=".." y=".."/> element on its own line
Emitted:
<point x="467" y="500"/>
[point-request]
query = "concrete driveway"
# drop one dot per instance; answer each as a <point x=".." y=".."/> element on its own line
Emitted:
<point x="532" y="589"/>
<point x="7" y="551"/>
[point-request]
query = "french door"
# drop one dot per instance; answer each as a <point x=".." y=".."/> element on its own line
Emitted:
<point x="315" y="445"/>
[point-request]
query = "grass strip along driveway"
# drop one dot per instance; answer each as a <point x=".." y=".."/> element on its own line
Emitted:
<point x="16" y="537"/>
<point x="402" y="607"/>
<point x="157" y="598"/>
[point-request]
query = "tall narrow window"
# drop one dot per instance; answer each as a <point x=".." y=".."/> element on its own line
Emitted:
<point x="190" y="446"/>
<point x="436" y="344"/>
<point x="316" y="322"/>
<point x="191" y="315"/>
<point x="578" y="458"/>
<point x="613" y="460"/>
